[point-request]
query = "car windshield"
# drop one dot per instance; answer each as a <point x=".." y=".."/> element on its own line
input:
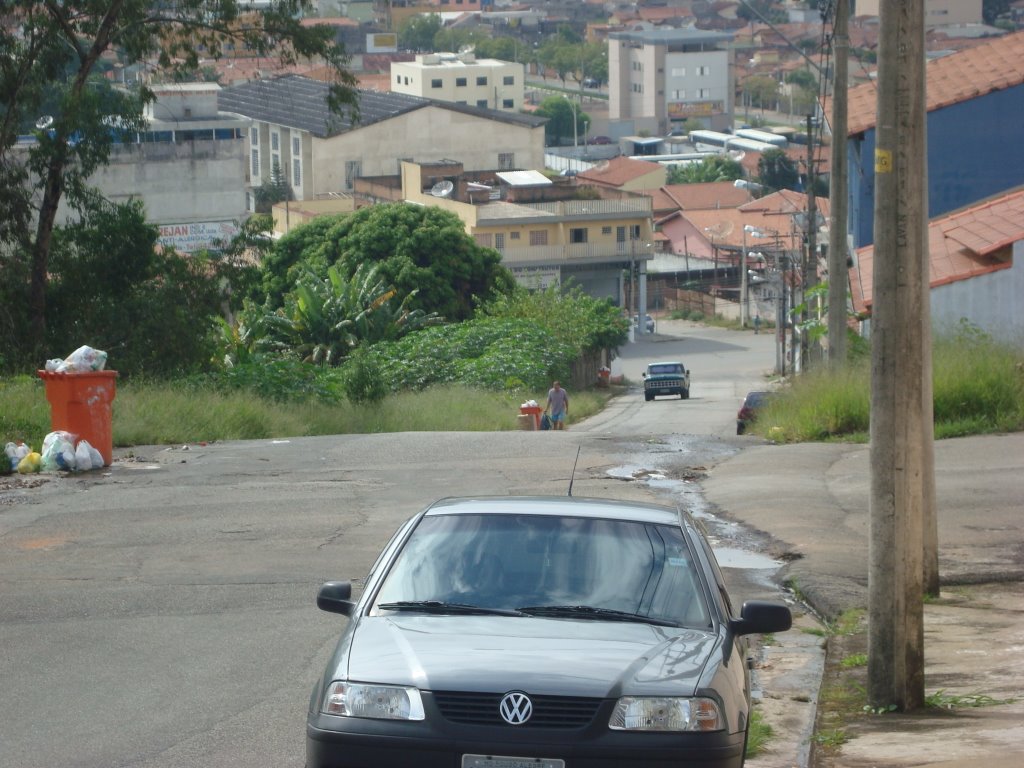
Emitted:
<point x="657" y="370"/>
<point x="562" y="567"/>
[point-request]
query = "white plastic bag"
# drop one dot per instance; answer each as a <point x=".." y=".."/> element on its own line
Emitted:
<point x="83" y="360"/>
<point x="83" y="458"/>
<point x="58" y="452"/>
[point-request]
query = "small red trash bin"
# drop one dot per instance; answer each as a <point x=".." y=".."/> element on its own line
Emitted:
<point x="80" y="403"/>
<point x="532" y="410"/>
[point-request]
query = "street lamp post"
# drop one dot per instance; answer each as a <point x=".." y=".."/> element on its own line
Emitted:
<point x="575" y="120"/>
<point x="743" y="276"/>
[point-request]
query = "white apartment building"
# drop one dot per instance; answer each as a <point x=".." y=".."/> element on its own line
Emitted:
<point x="461" y="78"/>
<point x="664" y="76"/>
<point x="937" y="13"/>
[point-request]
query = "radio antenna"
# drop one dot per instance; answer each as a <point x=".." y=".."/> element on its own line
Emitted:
<point x="572" y="476"/>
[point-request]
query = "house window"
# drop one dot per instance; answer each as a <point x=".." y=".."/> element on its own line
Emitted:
<point x="703" y="93"/>
<point x="353" y="170"/>
<point x="679" y="95"/>
<point x="435" y="83"/>
<point x="483" y="239"/>
<point x="507" y="103"/>
<point x="702" y="70"/>
<point x="406" y="79"/>
<point x="482" y="103"/>
<point x="678" y="71"/>
<point x="254" y="172"/>
<point x="578" y="235"/>
<point x="513" y="235"/>
<point x="539" y="237"/>
<point x="506" y="161"/>
<point x="398" y="79"/>
<point x="296" y="172"/>
<point x="606" y="230"/>
<point x="509" y="80"/>
<point x="481" y="80"/>
<point x="499" y="241"/>
<point x="296" y="145"/>
<point x="460" y="82"/>
<point x="254" y="136"/>
<point x="634" y="232"/>
<point x="275" y="141"/>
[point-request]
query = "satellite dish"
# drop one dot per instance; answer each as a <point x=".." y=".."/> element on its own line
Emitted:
<point x="442" y="188"/>
<point x="44" y="122"/>
<point x="721" y="229"/>
<point x="736" y="154"/>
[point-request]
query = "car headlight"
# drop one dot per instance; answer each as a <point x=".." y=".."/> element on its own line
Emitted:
<point x="381" y="702"/>
<point x="635" y="713"/>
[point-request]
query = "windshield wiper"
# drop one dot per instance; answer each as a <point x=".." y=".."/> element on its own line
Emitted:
<point x="437" y="606"/>
<point x="589" y="612"/>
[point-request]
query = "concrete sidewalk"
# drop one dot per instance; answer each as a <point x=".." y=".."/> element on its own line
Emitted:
<point x="812" y="502"/>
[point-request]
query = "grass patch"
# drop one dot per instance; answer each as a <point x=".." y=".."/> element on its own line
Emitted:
<point x="758" y="735"/>
<point x="161" y="413"/>
<point x="943" y="700"/>
<point x="978" y="388"/>
<point x="831" y="739"/>
<point x="854" y="660"/>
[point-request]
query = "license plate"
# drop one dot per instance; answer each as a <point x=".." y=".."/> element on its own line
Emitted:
<point x="502" y="761"/>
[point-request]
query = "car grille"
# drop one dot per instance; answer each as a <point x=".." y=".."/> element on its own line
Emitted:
<point x="665" y="384"/>
<point x="548" y="711"/>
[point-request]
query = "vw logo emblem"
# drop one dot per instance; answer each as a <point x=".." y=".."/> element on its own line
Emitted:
<point x="516" y="708"/>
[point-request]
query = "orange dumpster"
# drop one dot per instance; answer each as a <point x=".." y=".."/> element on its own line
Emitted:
<point x="532" y="410"/>
<point x="80" y="403"/>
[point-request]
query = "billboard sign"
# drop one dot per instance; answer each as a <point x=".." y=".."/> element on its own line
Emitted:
<point x="382" y="42"/>
<point x="197" y="235"/>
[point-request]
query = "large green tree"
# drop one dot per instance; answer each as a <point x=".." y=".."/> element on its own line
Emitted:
<point x="152" y="310"/>
<point x="777" y="170"/>
<point x="718" y="168"/>
<point x="418" y="32"/>
<point x="53" y="50"/>
<point x="561" y="113"/>
<point x="421" y="249"/>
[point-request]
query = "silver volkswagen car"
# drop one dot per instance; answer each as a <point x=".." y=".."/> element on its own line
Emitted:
<point x="538" y="632"/>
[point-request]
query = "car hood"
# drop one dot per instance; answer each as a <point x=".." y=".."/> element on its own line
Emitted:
<point x="567" y="657"/>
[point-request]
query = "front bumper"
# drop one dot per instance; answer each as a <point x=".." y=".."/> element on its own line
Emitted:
<point x="333" y="742"/>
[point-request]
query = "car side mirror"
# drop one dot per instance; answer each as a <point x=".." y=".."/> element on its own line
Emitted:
<point x="643" y="375"/>
<point x="762" y="617"/>
<point x="334" y="597"/>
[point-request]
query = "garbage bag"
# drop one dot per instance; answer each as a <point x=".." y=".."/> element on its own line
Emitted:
<point x="58" y="451"/>
<point x="83" y="459"/>
<point x="31" y="463"/>
<point x="83" y="360"/>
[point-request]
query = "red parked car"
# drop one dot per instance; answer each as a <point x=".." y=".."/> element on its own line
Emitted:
<point x="752" y="403"/>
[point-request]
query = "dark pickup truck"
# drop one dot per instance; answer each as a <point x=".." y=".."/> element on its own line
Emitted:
<point x="666" y="378"/>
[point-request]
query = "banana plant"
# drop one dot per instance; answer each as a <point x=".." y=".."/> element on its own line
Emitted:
<point x="324" y="319"/>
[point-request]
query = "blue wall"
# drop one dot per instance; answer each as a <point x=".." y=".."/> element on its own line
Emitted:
<point x="975" y="150"/>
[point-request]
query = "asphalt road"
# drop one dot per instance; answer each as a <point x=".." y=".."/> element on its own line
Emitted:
<point x="161" y="613"/>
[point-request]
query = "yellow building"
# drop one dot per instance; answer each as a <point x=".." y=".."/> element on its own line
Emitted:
<point x="547" y="230"/>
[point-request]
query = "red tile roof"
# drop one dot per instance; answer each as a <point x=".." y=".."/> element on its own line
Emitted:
<point x="952" y="79"/>
<point x="968" y="243"/>
<point x="618" y="171"/>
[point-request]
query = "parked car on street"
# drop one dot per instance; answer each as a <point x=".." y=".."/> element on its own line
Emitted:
<point x="600" y="140"/>
<point x="747" y="414"/>
<point x="554" y="632"/>
<point x="648" y="323"/>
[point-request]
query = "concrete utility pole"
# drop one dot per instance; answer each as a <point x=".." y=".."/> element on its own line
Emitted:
<point x="899" y="353"/>
<point x="809" y="278"/>
<point x="838" y="272"/>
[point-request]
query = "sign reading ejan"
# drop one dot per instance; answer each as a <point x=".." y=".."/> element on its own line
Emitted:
<point x="197" y="235"/>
